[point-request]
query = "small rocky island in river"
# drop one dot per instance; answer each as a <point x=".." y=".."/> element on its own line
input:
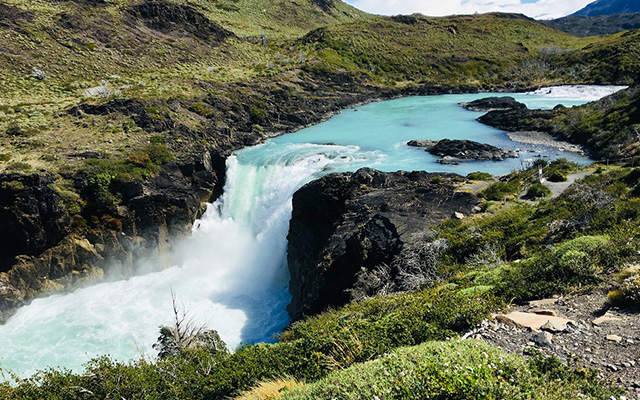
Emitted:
<point x="455" y="151"/>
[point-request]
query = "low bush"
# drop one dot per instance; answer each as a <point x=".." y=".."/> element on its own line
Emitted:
<point x="628" y="294"/>
<point x="480" y="176"/>
<point x="537" y="191"/>
<point x="455" y="370"/>
<point x="500" y="190"/>
<point x="557" y="176"/>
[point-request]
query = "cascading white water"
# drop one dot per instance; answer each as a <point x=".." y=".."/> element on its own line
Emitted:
<point x="233" y="274"/>
<point x="233" y="277"/>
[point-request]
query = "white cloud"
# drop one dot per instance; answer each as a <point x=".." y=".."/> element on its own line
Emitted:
<point x="540" y="9"/>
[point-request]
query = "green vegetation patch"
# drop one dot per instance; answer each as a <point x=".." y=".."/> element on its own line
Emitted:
<point x="456" y="370"/>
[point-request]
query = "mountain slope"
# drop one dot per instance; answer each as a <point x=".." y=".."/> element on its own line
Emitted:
<point x="583" y="26"/>
<point x="610" y="7"/>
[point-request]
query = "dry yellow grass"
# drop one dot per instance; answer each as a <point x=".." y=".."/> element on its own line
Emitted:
<point x="270" y="390"/>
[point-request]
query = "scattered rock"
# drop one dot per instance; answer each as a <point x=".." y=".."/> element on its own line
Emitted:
<point x="533" y="321"/>
<point x="104" y="91"/>
<point x="554" y="326"/>
<point x="542" y="339"/>
<point x="614" y="338"/>
<point x="607" y="317"/>
<point x="457" y="215"/>
<point x="541" y="303"/>
<point x="38" y="74"/>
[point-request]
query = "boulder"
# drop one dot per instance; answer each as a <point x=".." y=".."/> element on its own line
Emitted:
<point x="542" y="339"/>
<point x="532" y="321"/>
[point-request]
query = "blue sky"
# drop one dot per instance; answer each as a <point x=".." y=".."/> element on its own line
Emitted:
<point x="541" y="9"/>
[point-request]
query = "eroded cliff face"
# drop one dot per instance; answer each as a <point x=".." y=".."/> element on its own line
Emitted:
<point x="46" y="251"/>
<point x="345" y="222"/>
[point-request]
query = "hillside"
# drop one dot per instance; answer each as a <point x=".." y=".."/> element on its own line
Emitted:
<point x="609" y="7"/>
<point x="117" y="117"/>
<point x="583" y="26"/>
<point x="129" y="108"/>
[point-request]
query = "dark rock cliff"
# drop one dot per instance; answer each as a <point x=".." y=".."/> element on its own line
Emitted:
<point x="342" y="223"/>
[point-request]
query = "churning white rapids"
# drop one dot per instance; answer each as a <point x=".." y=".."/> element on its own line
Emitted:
<point x="233" y="274"/>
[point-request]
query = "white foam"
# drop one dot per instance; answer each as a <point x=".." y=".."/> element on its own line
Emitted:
<point x="583" y="92"/>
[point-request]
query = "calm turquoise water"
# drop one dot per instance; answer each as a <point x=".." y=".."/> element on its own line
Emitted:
<point x="381" y="131"/>
<point x="232" y="274"/>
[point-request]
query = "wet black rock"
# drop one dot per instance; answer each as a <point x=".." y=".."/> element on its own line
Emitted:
<point x="344" y="222"/>
<point x="516" y="120"/>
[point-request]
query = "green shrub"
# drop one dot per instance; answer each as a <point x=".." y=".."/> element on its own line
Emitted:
<point x="557" y="176"/>
<point x="19" y="166"/>
<point x="159" y="153"/>
<point x="499" y="190"/>
<point x="537" y="191"/>
<point x="100" y="199"/>
<point x="200" y="109"/>
<point x="455" y="370"/>
<point x="480" y="176"/>
<point x="257" y="116"/>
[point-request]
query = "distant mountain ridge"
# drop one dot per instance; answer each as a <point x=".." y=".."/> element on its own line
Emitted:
<point x="583" y="26"/>
<point x="609" y="7"/>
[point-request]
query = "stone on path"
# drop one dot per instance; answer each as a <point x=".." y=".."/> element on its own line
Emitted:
<point x="607" y="317"/>
<point x="542" y="339"/>
<point x="541" y="303"/>
<point x="614" y="338"/>
<point x="554" y="326"/>
<point x="531" y="320"/>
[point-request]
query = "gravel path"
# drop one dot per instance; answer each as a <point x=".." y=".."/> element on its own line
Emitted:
<point x="558" y="187"/>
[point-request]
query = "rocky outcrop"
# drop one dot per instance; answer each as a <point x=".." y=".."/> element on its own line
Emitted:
<point x="606" y="129"/>
<point x="455" y="151"/>
<point x="518" y="120"/>
<point x="32" y="214"/>
<point x="50" y="252"/>
<point x="493" y="103"/>
<point x="345" y="222"/>
<point x="167" y="18"/>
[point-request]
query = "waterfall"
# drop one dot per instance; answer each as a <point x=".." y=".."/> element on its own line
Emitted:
<point x="233" y="275"/>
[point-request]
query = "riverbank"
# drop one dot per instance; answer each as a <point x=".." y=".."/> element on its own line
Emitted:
<point x="544" y="139"/>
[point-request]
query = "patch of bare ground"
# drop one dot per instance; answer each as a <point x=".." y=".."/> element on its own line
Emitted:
<point x="589" y="333"/>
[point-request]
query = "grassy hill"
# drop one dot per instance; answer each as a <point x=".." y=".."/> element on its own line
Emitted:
<point x="55" y="55"/>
